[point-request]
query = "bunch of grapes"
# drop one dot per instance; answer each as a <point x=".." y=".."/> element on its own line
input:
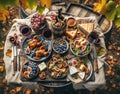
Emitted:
<point x="38" y="21"/>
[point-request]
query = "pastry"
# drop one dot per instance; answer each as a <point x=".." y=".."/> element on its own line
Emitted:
<point x="42" y="75"/>
<point x="12" y="91"/>
<point x="28" y="91"/>
<point x="18" y="89"/>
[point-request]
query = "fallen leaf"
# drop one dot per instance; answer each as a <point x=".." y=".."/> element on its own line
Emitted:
<point x="3" y="14"/>
<point x="9" y="53"/>
<point x="1" y="48"/>
<point x="18" y="89"/>
<point x="4" y="81"/>
<point x="98" y="6"/>
<point x="1" y="68"/>
<point x="6" y="88"/>
<point x="111" y="14"/>
<point x="1" y="60"/>
<point x="40" y="9"/>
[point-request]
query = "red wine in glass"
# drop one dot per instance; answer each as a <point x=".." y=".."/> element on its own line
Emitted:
<point x="25" y="30"/>
<point x="47" y="33"/>
<point x="93" y="36"/>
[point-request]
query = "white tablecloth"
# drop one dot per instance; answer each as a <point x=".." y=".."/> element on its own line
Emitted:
<point x="91" y="85"/>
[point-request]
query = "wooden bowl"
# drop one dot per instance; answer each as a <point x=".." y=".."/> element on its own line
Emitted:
<point x="71" y="22"/>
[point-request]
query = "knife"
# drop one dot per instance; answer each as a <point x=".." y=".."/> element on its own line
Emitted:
<point x="95" y="59"/>
<point x="15" y="59"/>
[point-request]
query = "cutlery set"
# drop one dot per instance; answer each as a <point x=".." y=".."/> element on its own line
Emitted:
<point x="16" y="59"/>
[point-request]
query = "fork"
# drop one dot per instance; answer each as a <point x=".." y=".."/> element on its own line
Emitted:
<point x="18" y="59"/>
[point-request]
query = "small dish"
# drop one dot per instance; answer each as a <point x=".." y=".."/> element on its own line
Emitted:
<point x="71" y="22"/>
<point x="84" y="69"/>
<point x="59" y="30"/>
<point x="36" y="48"/>
<point x="60" y="46"/>
<point x="30" y="70"/>
<point x="39" y="23"/>
<point x="47" y="34"/>
<point x="25" y="30"/>
<point x="80" y="47"/>
<point x="58" y="67"/>
<point x="58" y="23"/>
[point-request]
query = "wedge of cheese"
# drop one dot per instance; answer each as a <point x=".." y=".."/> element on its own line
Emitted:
<point x="89" y="27"/>
<point x="73" y="70"/>
<point x="81" y="75"/>
<point x="71" y="33"/>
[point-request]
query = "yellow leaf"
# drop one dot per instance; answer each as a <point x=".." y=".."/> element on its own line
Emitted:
<point x="3" y="14"/>
<point x="98" y="6"/>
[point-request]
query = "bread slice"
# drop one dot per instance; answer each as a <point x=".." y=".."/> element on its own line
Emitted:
<point x="71" y="33"/>
<point x="89" y="27"/>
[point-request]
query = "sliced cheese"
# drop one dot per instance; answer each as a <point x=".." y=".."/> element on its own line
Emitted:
<point x="42" y="66"/>
<point x="72" y="33"/>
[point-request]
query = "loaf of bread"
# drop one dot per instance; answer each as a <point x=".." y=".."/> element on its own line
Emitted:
<point x="89" y="27"/>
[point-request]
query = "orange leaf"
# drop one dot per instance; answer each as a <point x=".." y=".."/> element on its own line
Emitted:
<point x="1" y="48"/>
<point x="23" y="3"/>
<point x="3" y="14"/>
<point x="9" y="53"/>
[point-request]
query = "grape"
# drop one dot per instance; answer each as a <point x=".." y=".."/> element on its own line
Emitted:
<point x="25" y="67"/>
<point x="31" y="74"/>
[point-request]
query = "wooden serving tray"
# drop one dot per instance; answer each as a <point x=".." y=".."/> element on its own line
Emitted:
<point x="81" y="10"/>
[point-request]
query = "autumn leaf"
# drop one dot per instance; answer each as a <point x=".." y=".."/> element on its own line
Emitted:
<point x="1" y="48"/>
<point x="98" y="6"/>
<point x="111" y="14"/>
<point x="31" y="3"/>
<point x="110" y="5"/>
<point x="3" y="14"/>
<point x="118" y="11"/>
<point x="23" y="3"/>
<point x="40" y="9"/>
<point x="4" y="4"/>
<point x="117" y="22"/>
<point x="9" y="53"/>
